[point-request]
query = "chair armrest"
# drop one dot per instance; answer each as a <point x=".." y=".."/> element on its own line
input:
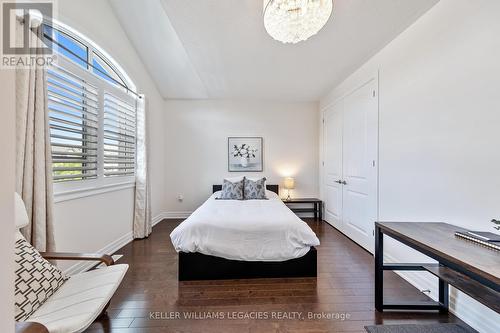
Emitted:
<point x="104" y="258"/>
<point x="30" y="327"/>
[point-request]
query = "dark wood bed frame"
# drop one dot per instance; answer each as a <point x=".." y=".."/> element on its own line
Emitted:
<point x="197" y="266"/>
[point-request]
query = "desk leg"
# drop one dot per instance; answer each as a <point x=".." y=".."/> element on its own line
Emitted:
<point x="443" y="296"/>
<point x="320" y="210"/>
<point x="379" y="269"/>
<point x="315" y="206"/>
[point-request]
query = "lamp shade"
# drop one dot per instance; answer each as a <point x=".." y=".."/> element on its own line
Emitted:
<point x="289" y="183"/>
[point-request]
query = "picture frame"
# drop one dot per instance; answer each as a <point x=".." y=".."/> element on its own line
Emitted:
<point x="245" y="154"/>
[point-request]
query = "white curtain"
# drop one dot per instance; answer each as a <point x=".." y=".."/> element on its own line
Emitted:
<point x="142" y="206"/>
<point x="33" y="153"/>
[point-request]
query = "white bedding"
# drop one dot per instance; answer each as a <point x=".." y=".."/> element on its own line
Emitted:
<point x="250" y="230"/>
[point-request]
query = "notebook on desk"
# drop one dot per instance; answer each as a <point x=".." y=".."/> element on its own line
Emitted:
<point x="486" y="236"/>
<point x="487" y="239"/>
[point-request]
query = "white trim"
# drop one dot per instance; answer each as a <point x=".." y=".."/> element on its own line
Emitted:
<point x="464" y="307"/>
<point x="157" y="219"/>
<point x="306" y="215"/>
<point x="170" y="215"/>
<point x="374" y="74"/>
<point x="82" y="38"/>
<point x="114" y="246"/>
<point x="110" y="249"/>
<point x="177" y="215"/>
<point x="75" y="192"/>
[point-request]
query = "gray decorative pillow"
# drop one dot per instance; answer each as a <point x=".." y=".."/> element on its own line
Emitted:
<point x="232" y="191"/>
<point x="36" y="280"/>
<point x="255" y="189"/>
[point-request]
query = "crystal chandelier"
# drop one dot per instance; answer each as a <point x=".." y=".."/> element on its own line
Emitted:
<point x="292" y="21"/>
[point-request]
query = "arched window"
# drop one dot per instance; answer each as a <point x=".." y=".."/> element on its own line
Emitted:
<point x="92" y="113"/>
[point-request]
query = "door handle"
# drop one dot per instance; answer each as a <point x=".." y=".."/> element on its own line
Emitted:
<point x="338" y="181"/>
<point x="344" y="182"/>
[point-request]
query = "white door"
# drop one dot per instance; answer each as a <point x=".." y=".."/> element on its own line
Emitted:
<point x="333" y="124"/>
<point x="351" y="158"/>
<point x="360" y="142"/>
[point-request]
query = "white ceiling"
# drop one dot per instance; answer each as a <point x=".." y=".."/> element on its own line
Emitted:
<point x="219" y="49"/>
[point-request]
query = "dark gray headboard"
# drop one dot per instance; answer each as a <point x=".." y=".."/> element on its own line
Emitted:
<point x="273" y="188"/>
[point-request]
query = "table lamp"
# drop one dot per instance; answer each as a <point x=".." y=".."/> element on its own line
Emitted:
<point x="289" y="185"/>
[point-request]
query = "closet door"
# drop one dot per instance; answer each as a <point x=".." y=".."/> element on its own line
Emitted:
<point x="332" y="175"/>
<point x="359" y="166"/>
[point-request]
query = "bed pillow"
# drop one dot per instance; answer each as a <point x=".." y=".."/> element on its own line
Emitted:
<point x="232" y="190"/>
<point x="36" y="279"/>
<point x="234" y="179"/>
<point x="255" y="189"/>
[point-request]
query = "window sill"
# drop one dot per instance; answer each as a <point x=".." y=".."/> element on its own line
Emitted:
<point x="75" y="190"/>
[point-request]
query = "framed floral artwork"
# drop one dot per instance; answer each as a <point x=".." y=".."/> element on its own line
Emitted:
<point x="245" y="154"/>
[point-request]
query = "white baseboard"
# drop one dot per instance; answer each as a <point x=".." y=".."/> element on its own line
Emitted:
<point x="157" y="219"/>
<point x="171" y="215"/>
<point x="475" y="314"/>
<point x="111" y="248"/>
<point x="177" y="215"/>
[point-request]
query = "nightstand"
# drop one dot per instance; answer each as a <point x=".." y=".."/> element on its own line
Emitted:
<point x="316" y="206"/>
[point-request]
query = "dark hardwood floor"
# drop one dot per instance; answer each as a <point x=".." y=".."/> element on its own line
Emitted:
<point x="343" y="291"/>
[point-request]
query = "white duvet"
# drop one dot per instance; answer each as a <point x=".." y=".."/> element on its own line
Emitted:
<point x="250" y="230"/>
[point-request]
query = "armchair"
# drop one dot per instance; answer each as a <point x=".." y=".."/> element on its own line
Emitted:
<point x="81" y="299"/>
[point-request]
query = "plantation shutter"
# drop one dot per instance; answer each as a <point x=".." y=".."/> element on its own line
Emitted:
<point x="74" y="121"/>
<point x="119" y="136"/>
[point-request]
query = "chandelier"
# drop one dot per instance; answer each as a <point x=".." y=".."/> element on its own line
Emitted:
<point x="292" y="21"/>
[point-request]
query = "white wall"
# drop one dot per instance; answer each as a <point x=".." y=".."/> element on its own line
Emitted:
<point x="196" y="141"/>
<point x="97" y="222"/>
<point x="7" y="167"/>
<point x="439" y="117"/>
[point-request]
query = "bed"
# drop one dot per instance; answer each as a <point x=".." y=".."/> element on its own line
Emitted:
<point x="238" y="239"/>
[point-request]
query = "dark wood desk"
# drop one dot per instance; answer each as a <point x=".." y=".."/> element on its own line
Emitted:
<point x="470" y="267"/>
<point x="316" y="208"/>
